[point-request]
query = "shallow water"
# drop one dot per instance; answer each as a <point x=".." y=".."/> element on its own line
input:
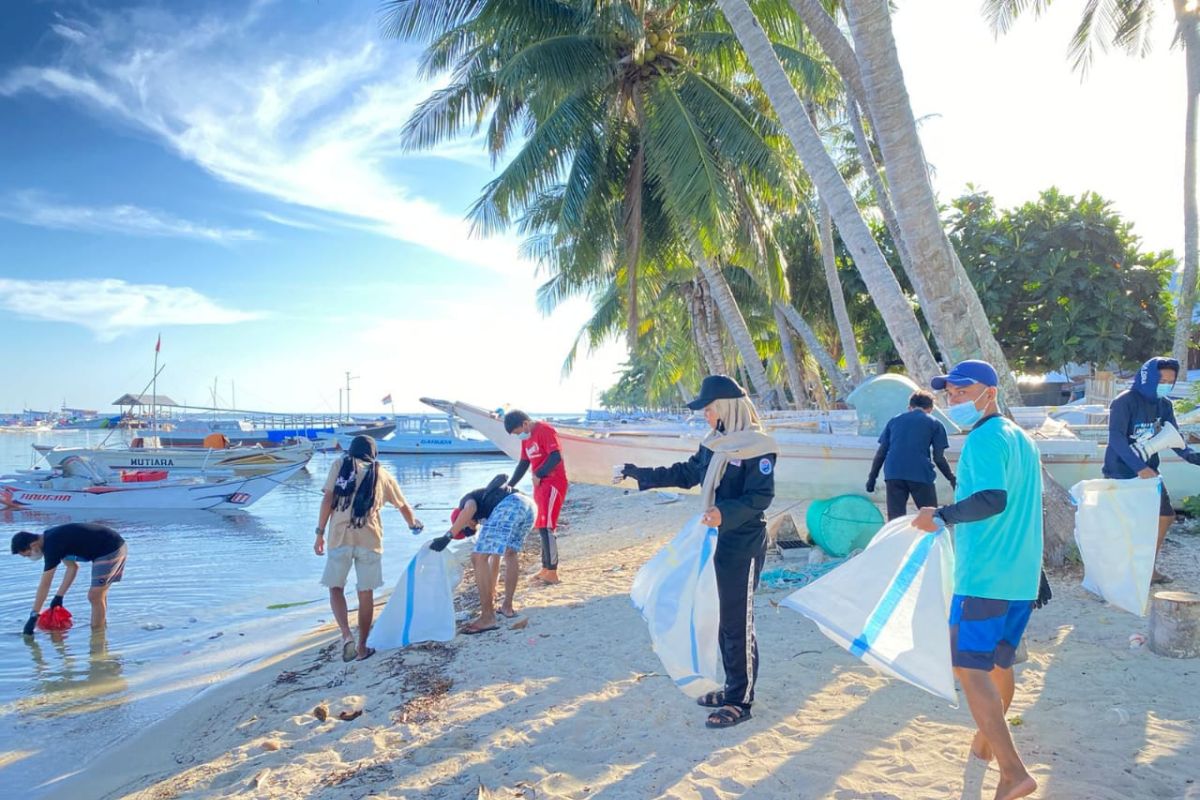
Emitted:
<point x="192" y="608"/>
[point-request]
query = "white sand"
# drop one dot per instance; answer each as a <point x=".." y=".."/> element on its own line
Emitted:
<point x="573" y="706"/>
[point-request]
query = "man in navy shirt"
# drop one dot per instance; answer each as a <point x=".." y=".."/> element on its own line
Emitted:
<point x="68" y="545"/>
<point x="1143" y="409"/>
<point x="909" y="447"/>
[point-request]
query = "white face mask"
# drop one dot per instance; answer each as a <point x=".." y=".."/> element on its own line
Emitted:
<point x="523" y="436"/>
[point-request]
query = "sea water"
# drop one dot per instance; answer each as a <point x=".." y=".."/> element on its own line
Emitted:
<point x="193" y="608"/>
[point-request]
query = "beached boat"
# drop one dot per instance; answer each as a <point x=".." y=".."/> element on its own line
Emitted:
<point x="810" y="466"/>
<point x="82" y="484"/>
<point x="423" y="434"/>
<point x="241" y="460"/>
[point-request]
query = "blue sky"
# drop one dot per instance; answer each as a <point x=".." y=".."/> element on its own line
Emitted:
<point x="228" y="173"/>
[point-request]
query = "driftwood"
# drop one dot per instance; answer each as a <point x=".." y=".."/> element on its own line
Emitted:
<point x="1058" y="522"/>
<point x="1175" y="624"/>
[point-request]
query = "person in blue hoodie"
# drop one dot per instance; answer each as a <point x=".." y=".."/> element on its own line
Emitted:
<point x="1144" y="408"/>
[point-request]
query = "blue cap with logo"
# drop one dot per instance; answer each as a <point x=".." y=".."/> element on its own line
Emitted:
<point x="967" y="372"/>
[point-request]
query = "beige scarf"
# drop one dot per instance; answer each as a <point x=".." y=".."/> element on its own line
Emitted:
<point x="725" y="448"/>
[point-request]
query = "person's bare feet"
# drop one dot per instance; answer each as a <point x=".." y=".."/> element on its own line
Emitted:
<point x="1021" y="785"/>
<point x="479" y="624"/>
<point x="547" y="576"/>
<point x="507" y="612"/>
<point x="981" y="748"/>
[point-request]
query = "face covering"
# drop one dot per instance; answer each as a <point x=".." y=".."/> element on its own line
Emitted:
<point x="523" y="436"/>
<point x="964" y="415"/>
<point x="1164" y="390"/>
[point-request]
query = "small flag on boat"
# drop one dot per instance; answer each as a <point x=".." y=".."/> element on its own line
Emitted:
<point x="158" y="344"/>
<point x="387" y="400"/>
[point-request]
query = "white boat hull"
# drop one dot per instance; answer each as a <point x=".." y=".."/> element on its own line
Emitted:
<point x="810" y="466"/>
<point x="423" y="445"/>
<point x="217" y="495"/>
<point x="241" y="460"/>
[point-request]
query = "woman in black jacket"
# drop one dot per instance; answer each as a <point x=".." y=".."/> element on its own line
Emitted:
<point x="735" y="466"/>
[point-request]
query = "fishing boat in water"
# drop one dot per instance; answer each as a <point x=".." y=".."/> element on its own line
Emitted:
<point x="820" y="456"/>
<point x="83" y="484"/>
<point x="143" y="454"/>
<point x="422" y="434"/>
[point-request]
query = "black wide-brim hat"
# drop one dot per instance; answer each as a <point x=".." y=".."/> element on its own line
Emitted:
<point x="716" y="387"/>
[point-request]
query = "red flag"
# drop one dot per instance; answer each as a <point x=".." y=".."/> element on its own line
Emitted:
<point x="387" y="399"/>
<point x="158" y="344"/>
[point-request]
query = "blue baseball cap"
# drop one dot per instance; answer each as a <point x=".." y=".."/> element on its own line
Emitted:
<point x="967" y="372"/>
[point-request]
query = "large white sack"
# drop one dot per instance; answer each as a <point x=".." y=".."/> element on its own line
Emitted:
<point x="421" y="608"/>
<point x="890" y="605"/>
<point x="676" y="593"/>
<point x="1116" y="529"/>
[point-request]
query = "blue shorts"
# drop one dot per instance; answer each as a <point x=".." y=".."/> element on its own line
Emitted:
<point x="505" y="529"/>
<point x="985" y="633"/>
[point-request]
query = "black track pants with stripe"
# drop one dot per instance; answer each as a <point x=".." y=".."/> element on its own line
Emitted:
<point x="737" y="578"/>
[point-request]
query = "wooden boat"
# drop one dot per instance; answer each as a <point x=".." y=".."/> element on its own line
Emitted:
<point x="811" y="465"/>
<point x="82" y="484"/>
<point x="423" y="434"/>
<point x="241" y="460"/>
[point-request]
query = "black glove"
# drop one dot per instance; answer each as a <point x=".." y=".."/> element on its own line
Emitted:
<point x="628" y="470"/>
<point x="415" y="529"/>
<point x="57" y="601"/>
<point x="1191" y="456"/>
<point x="439" y="544"/>
<point x="870" y="486"/>
<point x="30" y="624"/>
<point x="1044" y="593"/>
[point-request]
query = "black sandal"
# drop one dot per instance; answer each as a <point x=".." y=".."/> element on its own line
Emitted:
<point x="711" y="700"/>
<point x="727" y="716"/>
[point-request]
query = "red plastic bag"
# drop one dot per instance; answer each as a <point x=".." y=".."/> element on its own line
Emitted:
<point x="54" y="619"/>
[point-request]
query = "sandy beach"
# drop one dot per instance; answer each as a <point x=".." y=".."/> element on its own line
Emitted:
<point x="568" y="701"/>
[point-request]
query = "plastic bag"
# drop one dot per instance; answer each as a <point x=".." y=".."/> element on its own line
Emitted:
<point x="676" y="593"/>
<point x="421" y="608"/>
<point x="890" y="605"/>
<point x="1116" y="529"/>
<point x="54" y="619"/>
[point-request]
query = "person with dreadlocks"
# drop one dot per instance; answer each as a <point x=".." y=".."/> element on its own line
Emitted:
<point x="735" y="466"/>
<point x="356" y="490"/>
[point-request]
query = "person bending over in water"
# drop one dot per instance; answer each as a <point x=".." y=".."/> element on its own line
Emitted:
<point x="69" y="544"/>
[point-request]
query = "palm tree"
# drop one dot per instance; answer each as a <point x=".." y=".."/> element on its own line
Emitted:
<point x="881" y="281"/>
<point x="1127" y="25"/>
<point x="630" y="144"/>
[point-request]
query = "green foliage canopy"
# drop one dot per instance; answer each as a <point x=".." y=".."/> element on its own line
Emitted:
<point x="1064" y="280"/>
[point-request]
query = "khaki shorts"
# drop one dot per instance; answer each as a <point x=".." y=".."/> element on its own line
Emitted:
<point x="109" y="569"/>
<point x="368" y="568"/>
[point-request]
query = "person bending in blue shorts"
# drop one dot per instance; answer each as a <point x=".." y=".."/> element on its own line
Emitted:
<point x="503" y="516"/>
<point x="998" y="560"/>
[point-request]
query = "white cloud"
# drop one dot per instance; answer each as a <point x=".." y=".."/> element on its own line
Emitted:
<point x="313" y="120"/>
<point x="111" y="307"/>
<point x="70" y="34"/>
<point x="32" y="209"/>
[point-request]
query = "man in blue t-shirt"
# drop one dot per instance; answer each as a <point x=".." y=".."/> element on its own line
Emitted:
<point x="998" y="559"/>
<point x="1142" y="410"/>
<point x="910" y="445"/>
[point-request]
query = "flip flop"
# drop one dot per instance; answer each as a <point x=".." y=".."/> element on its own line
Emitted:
<point x="727" y="716"/>
<point x="472" y="631"/>
<point x="513" y="615"/>
<point x="370" y="651"/>
<point x="349" y="650"/>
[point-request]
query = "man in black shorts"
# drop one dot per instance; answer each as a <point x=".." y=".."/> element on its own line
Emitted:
<point x="910" y="446"/>
<point x="70" y="544"/>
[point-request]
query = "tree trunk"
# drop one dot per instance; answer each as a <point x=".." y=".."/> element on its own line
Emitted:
<point x="885" y="290"/>
<point x="840" y="314"/>
<point x="713" y="329"/>
<point x="951" y="306"/>
<point x="817" y="350"/>
<point x="1175" y="624"/>
<point x="1058" y="522"/>
<point x="735" y="323"/>
<point x="882" y="198"/>
<point x="1189" y="28"/>
<point x="791" y="365"/>
<point x="706" y="334"/>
